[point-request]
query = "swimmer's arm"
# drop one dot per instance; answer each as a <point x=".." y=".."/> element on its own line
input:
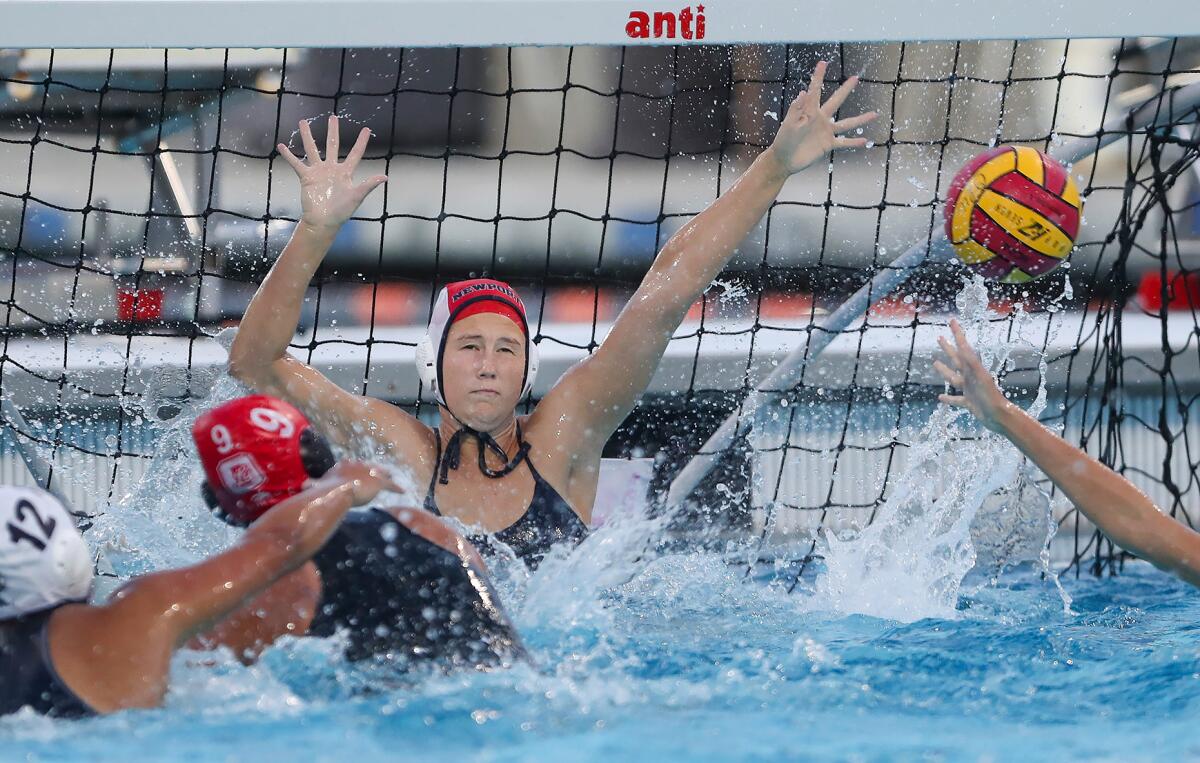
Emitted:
<point x="1124" y="513"/>
<point x="118" y="655"/>
<point x="259" y="350"/>
<point x="604" y="387"/>
<point x="286" y="608"/>
<point x="259" y="355"/>
<point x="341" y="416"/>
<point x="188" y="600"/>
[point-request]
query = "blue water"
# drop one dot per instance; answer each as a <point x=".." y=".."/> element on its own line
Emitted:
<point x="691" y="660"/>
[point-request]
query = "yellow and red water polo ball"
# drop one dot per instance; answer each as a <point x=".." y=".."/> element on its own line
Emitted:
<point x="1013" y="214"/>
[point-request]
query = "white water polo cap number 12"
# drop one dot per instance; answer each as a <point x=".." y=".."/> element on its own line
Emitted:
<point x="44" y="561"/>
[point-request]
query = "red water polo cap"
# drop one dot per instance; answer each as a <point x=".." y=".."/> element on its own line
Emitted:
<point x="479" y="295"/>
<point x="250" y="449"/>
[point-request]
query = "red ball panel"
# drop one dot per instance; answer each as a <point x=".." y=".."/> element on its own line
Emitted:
<point x="964" y="174"/>
<point x="1056" y="176"/>
<point x="987" y="232"/>
<point x="994" y="269"/>
<point x="1022" y="190"/>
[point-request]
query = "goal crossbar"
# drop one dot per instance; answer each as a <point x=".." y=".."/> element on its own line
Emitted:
<point x="440" y="23"/>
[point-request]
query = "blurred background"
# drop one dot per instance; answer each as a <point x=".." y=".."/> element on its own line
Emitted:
<point x="154" y="171"/>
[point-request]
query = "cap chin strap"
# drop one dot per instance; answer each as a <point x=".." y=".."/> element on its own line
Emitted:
<point x="452" y="455"/>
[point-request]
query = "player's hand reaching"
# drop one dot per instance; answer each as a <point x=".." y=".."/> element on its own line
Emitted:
<point x="981" y="395"/>
<point x="366" y="480"/>
<point x="328" y="194"/>
<point x="809" y="130"/>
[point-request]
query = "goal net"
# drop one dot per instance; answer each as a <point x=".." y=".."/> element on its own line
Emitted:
<point x="142" y="200"/>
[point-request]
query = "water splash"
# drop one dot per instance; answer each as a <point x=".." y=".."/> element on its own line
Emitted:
<point x="163" y="521"/>
<point x="910" y="562"/>
<point x="571" y="585"/>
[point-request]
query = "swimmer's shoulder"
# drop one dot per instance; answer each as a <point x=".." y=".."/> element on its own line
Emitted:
<point x="89" y="650"/>
<point x="562" y="431"/>
<point x="402" y="434"/>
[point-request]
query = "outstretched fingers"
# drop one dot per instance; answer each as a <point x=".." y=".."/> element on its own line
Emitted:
<point x="364" y="188"/>
<point x="358" y="149"/>
<point x="957" y="401"/>
<point x="849" y="123"/>
<point x="840" y="142"/>
<point x="966" y="354"/>
<point x="952" y="377"/>
<point x="950" y="350"/>
<point x="291" y="158"/>
<point x="818" y="80"/>
<point x="310" y="146"/>
<point x="839" y="96"/>
<point x="332" y="140"/>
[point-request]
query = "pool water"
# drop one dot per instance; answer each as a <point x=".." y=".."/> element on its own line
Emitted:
<point x="691" y="659"/>
<point x="890" y="649"/>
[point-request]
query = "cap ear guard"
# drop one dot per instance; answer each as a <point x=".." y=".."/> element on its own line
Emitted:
<point x="427" y="367"/>
<point x="315" y="453"/>
<point x="210" y="500"/>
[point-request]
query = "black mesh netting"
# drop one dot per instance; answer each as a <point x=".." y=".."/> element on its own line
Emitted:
<point x="141" y="200"/>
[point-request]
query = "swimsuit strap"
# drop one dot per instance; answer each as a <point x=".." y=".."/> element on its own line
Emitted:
<point x="538" y="479"/>
<point x="532" y="469"/>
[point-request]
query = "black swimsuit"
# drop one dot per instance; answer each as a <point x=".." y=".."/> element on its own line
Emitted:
<point x="548" y="521"/>
<point x="405" y="598"/>
<point x="27" y="674"/>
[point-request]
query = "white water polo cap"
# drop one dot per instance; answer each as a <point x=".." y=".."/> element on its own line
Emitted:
<point x="463" y="299"/>
<point x="44" y="561"/>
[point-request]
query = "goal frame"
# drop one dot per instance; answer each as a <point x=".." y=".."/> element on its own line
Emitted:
<point x="253" y="24"/>
<point x="421" y="23"/>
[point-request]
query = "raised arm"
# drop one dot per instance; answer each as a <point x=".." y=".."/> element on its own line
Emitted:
<point x="603" y="388"/>
<point x="1118" y="508"/>
<point x="259" y="356"/>
<point x="118" y="654"/>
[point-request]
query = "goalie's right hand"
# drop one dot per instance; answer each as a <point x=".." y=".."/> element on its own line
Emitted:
<point x="328" y="194"/>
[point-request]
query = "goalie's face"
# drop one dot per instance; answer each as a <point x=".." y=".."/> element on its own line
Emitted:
<point x="483" y="370"/>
